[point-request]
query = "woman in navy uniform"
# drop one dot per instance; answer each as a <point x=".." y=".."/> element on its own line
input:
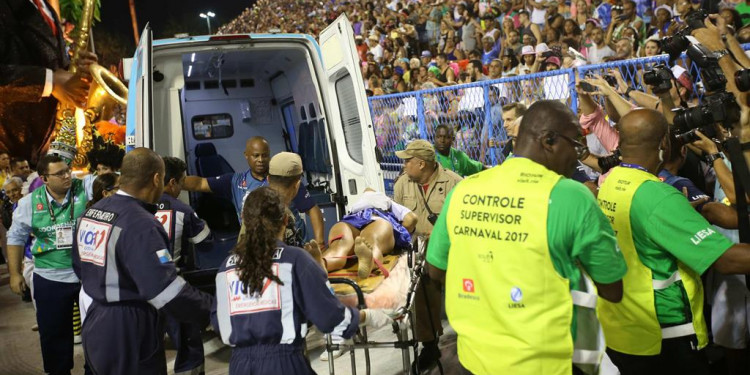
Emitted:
<point x="267" y="291"/>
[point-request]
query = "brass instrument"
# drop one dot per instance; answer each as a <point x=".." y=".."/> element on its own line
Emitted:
<point x="105" y="93"/>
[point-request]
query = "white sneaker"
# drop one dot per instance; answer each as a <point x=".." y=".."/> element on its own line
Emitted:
<point x="77" y="339"/>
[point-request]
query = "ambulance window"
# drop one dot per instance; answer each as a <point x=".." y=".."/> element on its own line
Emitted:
<point x="350" y="117"/>
<point x="291" y="135"/>
<point x="212" y="126"/>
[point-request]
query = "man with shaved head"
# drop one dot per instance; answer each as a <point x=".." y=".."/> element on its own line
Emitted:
<point x="658" y="327"/>
<point x="236" y="186"/>
<point x="511" y="256"/>
<point x="121" y="256"/>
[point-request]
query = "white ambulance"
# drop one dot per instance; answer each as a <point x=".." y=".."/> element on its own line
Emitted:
<point x="201" y="98"/>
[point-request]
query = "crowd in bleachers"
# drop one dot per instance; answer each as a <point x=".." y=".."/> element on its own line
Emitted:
<point x="412" y="45"/>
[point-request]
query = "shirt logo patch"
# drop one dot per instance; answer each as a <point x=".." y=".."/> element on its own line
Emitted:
<point x="516" y="295"/>
<point x="163" y="256"/>
<point x="164" y="217"/>
<point x="245" y="303"/>
<point x="93" y="238"/>
<point x="39" y="207"/>
<point x="277" y="253"/>
<point x="468" y="285"/>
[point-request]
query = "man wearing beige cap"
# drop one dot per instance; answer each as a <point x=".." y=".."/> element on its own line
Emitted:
<point x="422" y="189"/>
<point x="236" y="186"/>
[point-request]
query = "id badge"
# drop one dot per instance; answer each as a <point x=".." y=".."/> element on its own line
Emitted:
<point x="64" y="237"/>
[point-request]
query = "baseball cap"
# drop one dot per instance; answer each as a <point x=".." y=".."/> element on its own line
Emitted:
<point x="426" y="53"/>
<point x="665" y="7"/>
<point x="595" y="21"/>
<point x="285" y="164"/>
<point x="527" y="50"/>
<point x="553" y="60"/>
<point x="419" y="149"/>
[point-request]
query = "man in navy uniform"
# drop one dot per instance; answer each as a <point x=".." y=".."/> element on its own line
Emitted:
<point x="236" y="186"/>
<point x="185" y="230"/>
<point x="122" y="257"/>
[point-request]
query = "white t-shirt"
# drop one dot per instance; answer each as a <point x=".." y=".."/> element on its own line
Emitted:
<point x="596" y="55"/>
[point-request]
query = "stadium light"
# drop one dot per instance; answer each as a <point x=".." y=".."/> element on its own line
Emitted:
<point x="208" y="15"/>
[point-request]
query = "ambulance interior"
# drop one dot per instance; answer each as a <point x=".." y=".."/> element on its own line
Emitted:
<point x="208" y="101"/>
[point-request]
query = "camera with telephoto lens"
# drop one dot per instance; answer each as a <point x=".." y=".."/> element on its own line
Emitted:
<point x="608" y="162"/>
<point x="659" y="78"/>
<point x="742" y="80"/>
<point x="674" y="45"/>
<point x="719" y="108"/>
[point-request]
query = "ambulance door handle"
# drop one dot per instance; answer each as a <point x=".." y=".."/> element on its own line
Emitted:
<point x="352" y="186"/>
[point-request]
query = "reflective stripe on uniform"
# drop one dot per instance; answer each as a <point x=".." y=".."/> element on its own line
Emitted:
<point x="338" y="331"/>
<point x="287" y="304"/>
<point x="664" y="284"/>
<point x="202" y="235"/>
<point x="112" y="278"/>
<point x="168" y="294"/>
<point x="583" y="299"/>
<point x="681" y="330"/>
<point x="589" y="357"/>
<point x="222" y="308"/>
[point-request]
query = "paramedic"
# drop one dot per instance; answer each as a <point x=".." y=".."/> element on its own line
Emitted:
<point x="512" y="253"/>
<point x="236" y="186"/>
<point x="422" y="189"/>
<point x="123" y="261"/>
<point x="185" y="230"/>
<point x="659" y="326"/>
<point x="267" y="291"/>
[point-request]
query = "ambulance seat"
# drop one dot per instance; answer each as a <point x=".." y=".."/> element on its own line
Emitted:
<point x="218" y="212"/>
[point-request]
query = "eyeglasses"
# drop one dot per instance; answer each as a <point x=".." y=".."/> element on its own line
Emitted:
<point x="113" y="187"/>
<point x="582" y="151"/>
<point x="61" y="174"/>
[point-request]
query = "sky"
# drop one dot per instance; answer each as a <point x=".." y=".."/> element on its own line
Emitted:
<point x="166" y="16"/>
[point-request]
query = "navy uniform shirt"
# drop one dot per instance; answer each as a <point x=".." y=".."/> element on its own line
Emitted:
<point x="280" y="313"/>
<point x="236" y="186"/>
<point x="183" y="226"/>
<point x="122" y="256"/>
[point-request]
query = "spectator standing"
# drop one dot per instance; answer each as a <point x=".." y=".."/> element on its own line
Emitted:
<point x="5" y="171"/>
<point x="490" y="49"/>
<point x="600" y="50"/>
<point x="527" y="27"/>
<point x="20" y="168"/>
<point x="450" y="158"/>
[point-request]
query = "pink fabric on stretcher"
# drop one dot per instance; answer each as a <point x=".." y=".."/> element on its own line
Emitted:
<point x="390" y="294"/>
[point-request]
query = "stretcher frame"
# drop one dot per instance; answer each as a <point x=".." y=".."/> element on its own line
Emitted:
<point x="402" y="323"/>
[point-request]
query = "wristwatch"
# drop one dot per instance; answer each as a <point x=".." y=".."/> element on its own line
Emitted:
<point x="627" y="92"/>
<point x="711" y="158"/>
<point x="721" y="53"/>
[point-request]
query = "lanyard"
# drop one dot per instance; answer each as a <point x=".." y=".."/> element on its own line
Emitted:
<point x="634" y="166"/>
<point x="70" y="205"/>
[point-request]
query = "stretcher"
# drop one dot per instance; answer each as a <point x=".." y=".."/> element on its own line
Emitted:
<point x="409" y="264"/>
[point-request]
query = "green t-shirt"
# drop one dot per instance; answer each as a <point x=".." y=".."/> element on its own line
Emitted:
<point x="744" y="10"/>
<point x="666" y="228"/>
<point x="457" y="161"/>
<point x="577" y="231"/>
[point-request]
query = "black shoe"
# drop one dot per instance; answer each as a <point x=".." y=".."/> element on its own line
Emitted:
<point x="428" y="358"/>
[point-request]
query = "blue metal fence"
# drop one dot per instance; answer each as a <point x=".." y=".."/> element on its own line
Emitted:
<point x="475" y="110"/>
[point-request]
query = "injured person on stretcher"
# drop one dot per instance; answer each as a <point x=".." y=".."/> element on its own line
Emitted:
<point x="375" y="227"/>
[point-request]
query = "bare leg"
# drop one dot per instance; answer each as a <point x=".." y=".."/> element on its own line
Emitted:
<point x="335" y="255"/>
<point x="376" y="241"/>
